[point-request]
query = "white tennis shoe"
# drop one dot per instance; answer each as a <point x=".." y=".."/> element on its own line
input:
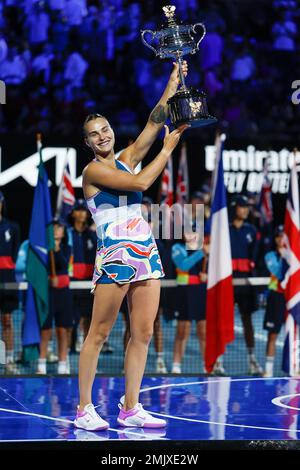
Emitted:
<point x="89" y="419"/>
<point x="138" y="417"/>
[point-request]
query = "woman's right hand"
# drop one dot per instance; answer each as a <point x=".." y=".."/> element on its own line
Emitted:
<point x="171" y="139"/>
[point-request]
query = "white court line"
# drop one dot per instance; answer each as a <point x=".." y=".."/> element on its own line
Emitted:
<point x="62" y="420"/>
<point x="277" y="401"/>
<point x="223" y="424"/>
<point x="221" y="379"/>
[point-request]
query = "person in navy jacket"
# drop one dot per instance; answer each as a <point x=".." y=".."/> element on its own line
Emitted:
<point x="243" y="239"/>
<point x="9" y="245"/>
<point x="276" y="307"/>
<point x="60" y="303"/>
<point x="83" y="241"/>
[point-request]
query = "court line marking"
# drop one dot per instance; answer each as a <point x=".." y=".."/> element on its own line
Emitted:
<point x="221" y="379"/>
<point x="56" y="440"/>
<point x="21" y="404"/>
<point x="223" y="424"/>
<point x="277" y="401"/>
<point x="63" y="420"/>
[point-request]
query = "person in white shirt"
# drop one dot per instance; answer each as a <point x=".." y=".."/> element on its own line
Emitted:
<point x="37" y="25"/>
<point x="75" y="69"/>
<point x="56" y="5"/>
<point x="13" y="68"/>
<point x="243" y="67"/>
<point x="284" y="32"/>
<point x="211" y="50"/>
<point x="74" y="11"/>
<point x="41" y="64"/>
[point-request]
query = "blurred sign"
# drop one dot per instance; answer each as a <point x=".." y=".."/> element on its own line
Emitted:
<point x="243" y="169"/>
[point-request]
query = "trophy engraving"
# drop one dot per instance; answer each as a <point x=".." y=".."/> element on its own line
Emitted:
<point x="174" y="41"/>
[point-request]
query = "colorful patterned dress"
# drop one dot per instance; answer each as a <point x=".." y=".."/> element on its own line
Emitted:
<point x="126" y="249"/>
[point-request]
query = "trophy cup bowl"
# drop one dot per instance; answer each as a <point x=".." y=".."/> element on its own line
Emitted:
<point x="174" y="41"/>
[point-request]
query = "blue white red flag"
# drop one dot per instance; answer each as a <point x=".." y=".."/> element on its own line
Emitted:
<point x="66" y="195"/>
<point x="219" y="303"/>
<point x="291" y="278"/>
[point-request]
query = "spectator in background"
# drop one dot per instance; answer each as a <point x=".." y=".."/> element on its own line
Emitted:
<point x="83" y="242"/>
<point x="56" y="5"/>
<point x="243" y="67"/>
<point x="9" y="245"/>
<point x="13" y="68"/>
<point x="41" y="64"/>
<point x="243" y="251"/>
<point x="74" y="11"/>
<point x="212" y="83"/>
<point x="284" y="32"/>
<point x="37" y="25"/>
<point x="211" y="50"/>
<point x="191" y="268"/>
<point x="275" y="308"/>
<point x="75" y="69"/>
<point x="60" y="304"/>
<point x="115" y="40"/>
<point x="59" y="33"/>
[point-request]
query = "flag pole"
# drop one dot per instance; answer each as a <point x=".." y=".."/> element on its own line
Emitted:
<point x="51" y="252"/>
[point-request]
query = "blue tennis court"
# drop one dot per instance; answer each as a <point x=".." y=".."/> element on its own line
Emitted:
<point x="196" y="408"/>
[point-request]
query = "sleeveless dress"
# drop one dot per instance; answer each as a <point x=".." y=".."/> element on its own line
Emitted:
<point x="126" y="249"/>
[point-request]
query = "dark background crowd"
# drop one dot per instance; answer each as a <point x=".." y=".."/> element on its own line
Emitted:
<point x="62" y="59"/>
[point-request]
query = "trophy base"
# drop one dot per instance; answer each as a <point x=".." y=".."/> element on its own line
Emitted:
<point x="188" y="106"/>
<point x="197" y="122"/>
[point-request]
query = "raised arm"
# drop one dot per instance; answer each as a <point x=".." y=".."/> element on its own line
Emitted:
<point x="135" y="153"/>
<point x="102" y="175"/>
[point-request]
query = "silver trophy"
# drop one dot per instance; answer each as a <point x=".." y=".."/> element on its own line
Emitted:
<point x="174" y="41"/>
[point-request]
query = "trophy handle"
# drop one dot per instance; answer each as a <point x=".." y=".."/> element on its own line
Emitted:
<point x="193" y="28"/>
<point x="153" y="33"/>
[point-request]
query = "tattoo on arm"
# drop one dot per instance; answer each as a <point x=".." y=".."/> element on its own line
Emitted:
<point x="158" y="114"/>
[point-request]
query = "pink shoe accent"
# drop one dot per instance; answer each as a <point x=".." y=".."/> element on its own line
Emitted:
<point x="125" y="414"/>
<point x="80" y="413"/>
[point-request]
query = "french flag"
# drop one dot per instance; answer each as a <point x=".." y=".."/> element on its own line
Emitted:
<point x="291" y="278"/>
<point x="219" y="301"/>
<point x="66" y="195"/>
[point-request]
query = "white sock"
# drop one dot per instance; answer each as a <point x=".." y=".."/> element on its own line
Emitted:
<point x="160" y="355"/>
<point x="251" y="355"/>
<point x="42" y="365"/>
<point x="269" y="365"/>
<point x="9" y="356"/>
<point x="219" y="361"/>
<point x="62" y="367"/>
<point x="176" y="365"/>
